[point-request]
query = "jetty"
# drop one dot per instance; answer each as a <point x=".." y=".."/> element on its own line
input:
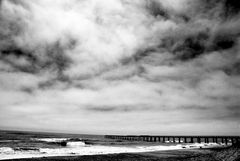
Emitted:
<point x="178" y="139"/>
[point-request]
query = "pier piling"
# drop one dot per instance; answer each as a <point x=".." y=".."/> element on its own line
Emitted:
<point x="178" y="139"/>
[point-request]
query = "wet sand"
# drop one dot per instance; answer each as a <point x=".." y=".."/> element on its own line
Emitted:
<point x="226" y="154"/>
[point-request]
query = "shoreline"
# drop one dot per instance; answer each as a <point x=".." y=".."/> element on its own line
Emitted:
<point x="101" y="150"/>
<point x="168" y="155"/>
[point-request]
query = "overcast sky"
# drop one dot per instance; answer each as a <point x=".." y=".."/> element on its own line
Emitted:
<point x="120" y="66"/>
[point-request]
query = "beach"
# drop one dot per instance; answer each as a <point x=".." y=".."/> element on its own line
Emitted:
<point x="31" y="146"/>
<point x="214" y="154"/>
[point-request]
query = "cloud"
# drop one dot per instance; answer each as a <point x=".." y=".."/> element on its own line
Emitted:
<point x="89" y="62"/>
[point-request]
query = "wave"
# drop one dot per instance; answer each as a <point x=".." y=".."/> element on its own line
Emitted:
<point x="6" y="150"/>
<point x="26" y="149"/>
<point x="75" y="144"/>
<point x="50" y="139"/>
<point x="61" y="141"/>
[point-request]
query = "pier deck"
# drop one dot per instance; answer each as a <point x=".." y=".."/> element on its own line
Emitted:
<point x="178" y="139"/>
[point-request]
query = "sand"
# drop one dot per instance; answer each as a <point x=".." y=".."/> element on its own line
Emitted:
<point x="226" y="154"/>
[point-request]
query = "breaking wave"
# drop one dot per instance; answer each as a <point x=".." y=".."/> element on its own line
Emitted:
<point x="6" y="150"/>
<point x="50" y="139"/>
<point x="75" y="144"/>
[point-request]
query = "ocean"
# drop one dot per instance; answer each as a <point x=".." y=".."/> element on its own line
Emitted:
<point x="22" y="144"/>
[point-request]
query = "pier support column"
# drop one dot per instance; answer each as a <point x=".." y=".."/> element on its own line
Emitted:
<point x="185" y="140"/>
<point x="207" y="140"/>
<point x="149" y="139"/>
<point x="154" y="138"/>
<point x="191" y="139"/>
<point x="238" y="141"/>
<point x="226" y="141"/>
<point x="138" y="138"/>
<point x="233" y="141"/>
<point x="213" y="140"/>
<point x="199" y="140"/>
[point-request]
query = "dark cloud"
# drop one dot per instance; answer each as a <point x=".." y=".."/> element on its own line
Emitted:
<point x="23" y="60"/>
<point x="234" y="110"/>
<point x="102" y="109"/>
<point x="122" y="108"/>
<point x="28" y="90"/>
<point x="190" y="47"/>
<point x="54" y="83"/>
<point x="142" y="53"/>
<point x="56" y="59"/>
<point x="156" y="9"/>
<point x="232" y="113"/>
<point x="19" y="59"/>
<point x="20" y="3"/>
<point x="233" y="69"/>
<point x="193" y="107"/>
<point x="222" y="43"/>
<point x="136" y="108"/>
<point x="193" y="39"/>
<point x="232" y="7"/>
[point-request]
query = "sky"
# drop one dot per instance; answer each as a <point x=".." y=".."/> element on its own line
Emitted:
<point x="157" y="67"/>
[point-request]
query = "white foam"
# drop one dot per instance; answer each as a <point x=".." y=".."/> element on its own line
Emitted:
<point x="74" y="144"/>
<point x="6" y="150"/>
<point x="50" y="139"/>
<point x="204" y="145"/>
<point x="9" y="153"/>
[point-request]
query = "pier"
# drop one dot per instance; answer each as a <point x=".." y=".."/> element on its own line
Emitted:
<point x="178" y="139"/>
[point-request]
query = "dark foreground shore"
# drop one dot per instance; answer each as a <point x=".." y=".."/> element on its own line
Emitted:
<point x="223" y="154"/>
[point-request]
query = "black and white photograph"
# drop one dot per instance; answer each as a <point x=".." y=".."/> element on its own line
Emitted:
<point x="120" y="80"/>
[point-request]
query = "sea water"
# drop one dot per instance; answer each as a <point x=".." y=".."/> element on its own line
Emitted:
<point x="15" y="144"/>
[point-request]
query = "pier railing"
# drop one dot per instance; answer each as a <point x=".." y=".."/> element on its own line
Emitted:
<point x="178" y="139"/>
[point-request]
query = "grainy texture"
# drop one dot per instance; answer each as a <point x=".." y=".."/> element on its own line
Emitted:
<point x="227" y="154"/>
